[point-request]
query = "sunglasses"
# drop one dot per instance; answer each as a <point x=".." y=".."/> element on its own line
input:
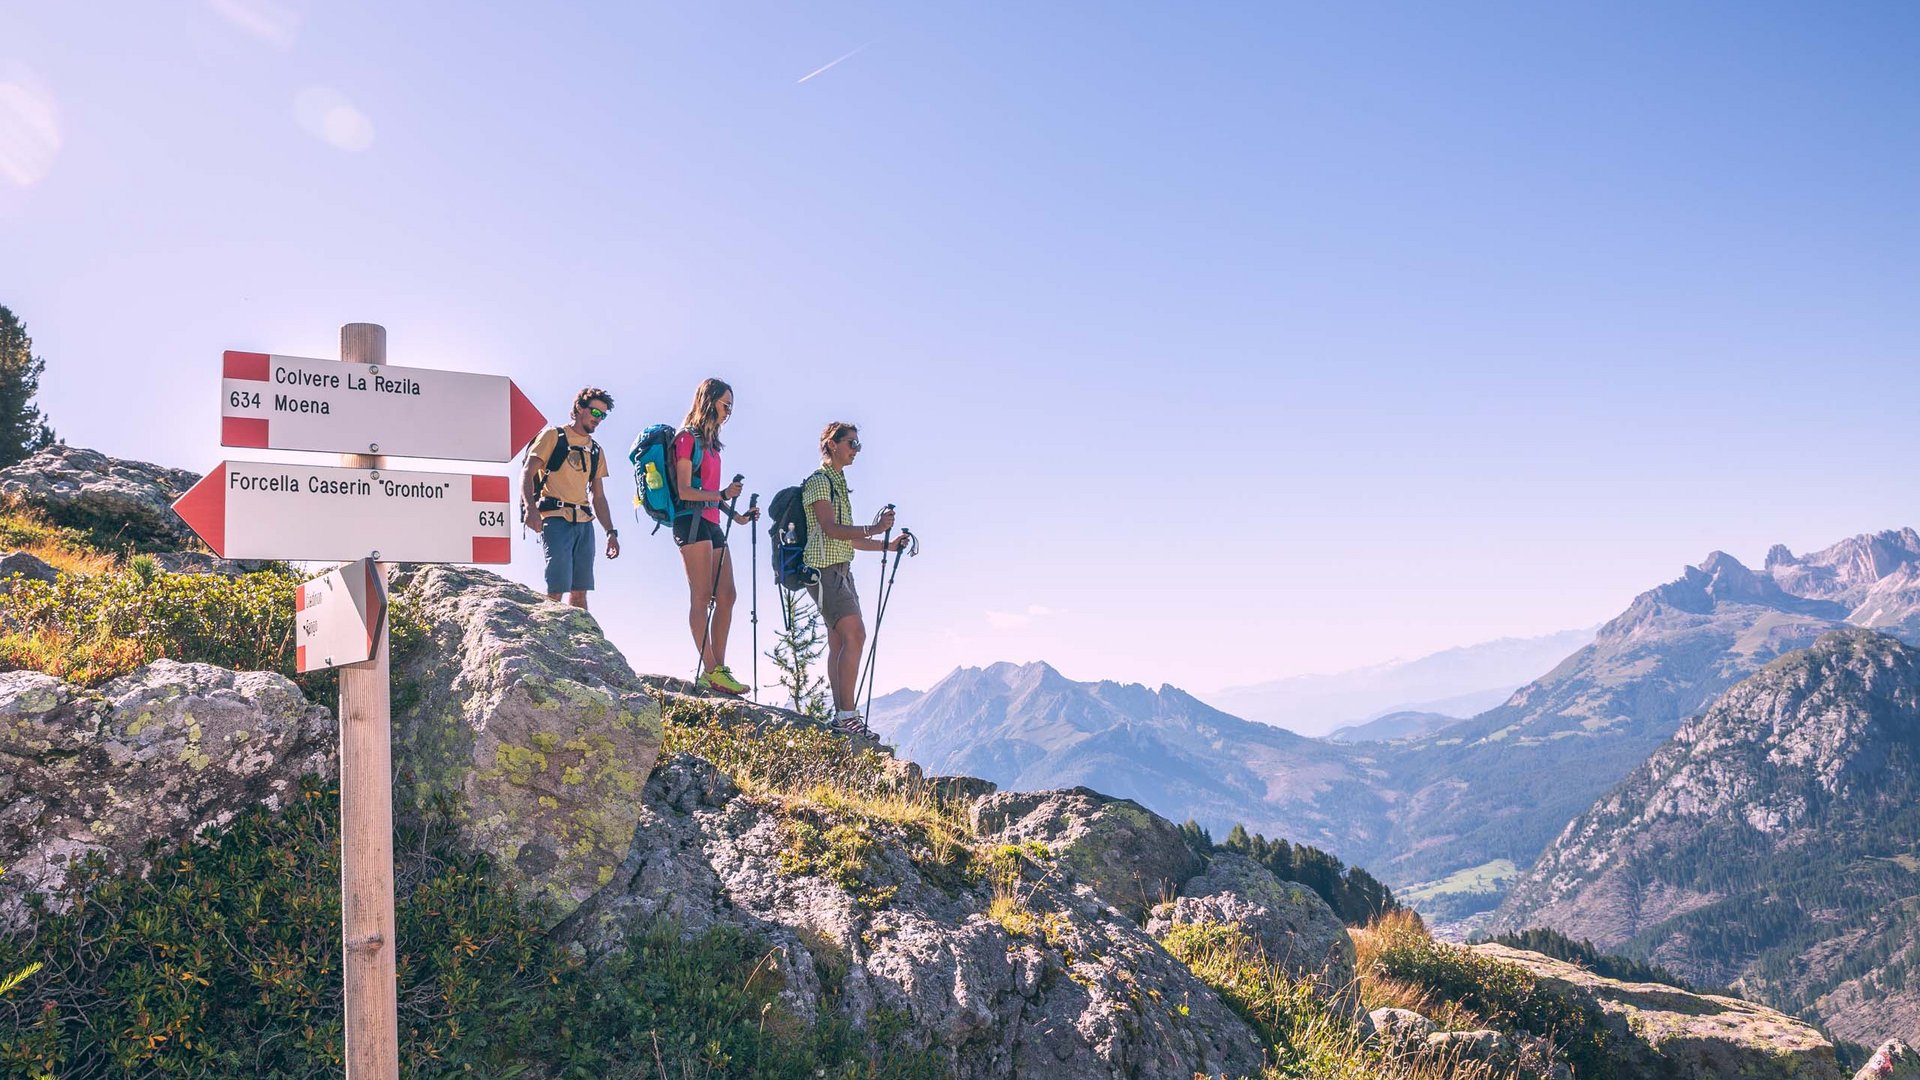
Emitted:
<point x="597" y="414"/>
<point x="855" y="443"/>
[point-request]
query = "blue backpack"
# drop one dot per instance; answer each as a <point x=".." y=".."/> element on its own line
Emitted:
<point x="652" y="458"/>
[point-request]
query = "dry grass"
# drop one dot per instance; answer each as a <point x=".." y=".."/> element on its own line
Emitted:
<point x="1308" y="1035"/>
<point x="65" y="550"/>
<point x="1379" y="990"/>
<point x="85" y="660"/>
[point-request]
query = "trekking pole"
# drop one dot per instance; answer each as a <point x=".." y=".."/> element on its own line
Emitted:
<point x="713" y="590"/>
<point x="880" y="615"/>
<point x="753" y="557"/>
<point x="886" y="543"/>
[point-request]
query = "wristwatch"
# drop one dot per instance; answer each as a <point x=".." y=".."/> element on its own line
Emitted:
<point x="611" y="533"/>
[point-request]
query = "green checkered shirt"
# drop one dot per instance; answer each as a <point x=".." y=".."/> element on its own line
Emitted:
<point x="829" y="484"/>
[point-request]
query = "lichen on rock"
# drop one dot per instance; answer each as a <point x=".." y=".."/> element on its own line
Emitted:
<point x="1131" y="857"/>
<point x="1091" y="997"/>
<point x="164" y="753"/>
<point x="529" y="730"/>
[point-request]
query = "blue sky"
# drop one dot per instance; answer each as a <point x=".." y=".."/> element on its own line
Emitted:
<point x="1202" y="344"/>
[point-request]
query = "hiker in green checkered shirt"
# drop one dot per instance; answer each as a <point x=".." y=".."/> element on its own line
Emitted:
<point x="831" y="543"/>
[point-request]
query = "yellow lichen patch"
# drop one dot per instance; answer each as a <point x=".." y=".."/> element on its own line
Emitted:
<point x="518" y="764"/>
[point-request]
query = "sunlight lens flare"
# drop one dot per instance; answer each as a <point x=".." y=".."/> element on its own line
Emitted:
<point x="29" y="129"/>
<point x="272" y="22"/>
<point x="327" y="115"/>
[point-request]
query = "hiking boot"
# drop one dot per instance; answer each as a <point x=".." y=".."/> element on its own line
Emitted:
<point x="855" y="725"/>
<point x="722" y="680"/>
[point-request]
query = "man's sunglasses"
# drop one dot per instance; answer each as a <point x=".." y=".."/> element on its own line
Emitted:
<point x="597" y="414"/>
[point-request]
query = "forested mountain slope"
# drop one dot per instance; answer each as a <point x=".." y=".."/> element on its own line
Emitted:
<point x="1772" y="845"/>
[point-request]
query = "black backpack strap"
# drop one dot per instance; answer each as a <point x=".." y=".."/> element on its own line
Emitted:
<point x="558" y="454"/>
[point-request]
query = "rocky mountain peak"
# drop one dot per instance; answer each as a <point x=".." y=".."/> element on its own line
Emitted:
<point x="1845" y="570"/>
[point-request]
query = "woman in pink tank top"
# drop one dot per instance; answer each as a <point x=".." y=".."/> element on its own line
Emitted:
<point x="697" y="529"/>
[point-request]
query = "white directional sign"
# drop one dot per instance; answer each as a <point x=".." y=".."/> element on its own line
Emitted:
<point x="255" y="510"/>
<point x="338" y="616"/>
<point x="292" y="403"/>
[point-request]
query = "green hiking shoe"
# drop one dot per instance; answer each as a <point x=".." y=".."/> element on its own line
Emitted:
<point x="722" y="680"/>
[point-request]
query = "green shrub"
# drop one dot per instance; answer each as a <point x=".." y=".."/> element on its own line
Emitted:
<point x="783" y="758"/>
<point x="223" y="961"/>
<point x="243" y="622"/>
<point x="88" y="628"/>
<point x="1504" y="996"/>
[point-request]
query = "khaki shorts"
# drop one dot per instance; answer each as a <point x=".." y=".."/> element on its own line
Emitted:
<point x="834" y="593"/>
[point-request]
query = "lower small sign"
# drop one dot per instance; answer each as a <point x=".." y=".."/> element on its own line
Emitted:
<point x="338" y="617"/>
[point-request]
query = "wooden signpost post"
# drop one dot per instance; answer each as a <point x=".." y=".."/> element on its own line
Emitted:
<point x="358" y="407"/>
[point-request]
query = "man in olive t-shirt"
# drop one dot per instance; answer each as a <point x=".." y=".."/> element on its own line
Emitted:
<point x="563" y="501"/>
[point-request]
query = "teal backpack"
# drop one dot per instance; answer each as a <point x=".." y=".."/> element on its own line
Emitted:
<point x="652" y="458"/>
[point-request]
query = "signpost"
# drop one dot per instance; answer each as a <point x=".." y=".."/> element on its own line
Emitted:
<point x="360" y="408"/>
<point x="339" y="616"/>
<point x="256" y="510"/>
<point x="272" y="402"/>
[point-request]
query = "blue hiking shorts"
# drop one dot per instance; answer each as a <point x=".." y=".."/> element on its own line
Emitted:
<point x="569" y="554"/>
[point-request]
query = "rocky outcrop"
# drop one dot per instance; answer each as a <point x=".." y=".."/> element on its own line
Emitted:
<point x="1075" y="991"/>
<point x="1131" y="858"/>
<point x="1661" y="1031"/>
<point x="529" y="728"/>
<point x="1294" y="927"/>
<point x="165" y="753"/>
<point x="130" y="502"/>
<point x="1894" y="1060"/>
<point x="1401" y="1027"/>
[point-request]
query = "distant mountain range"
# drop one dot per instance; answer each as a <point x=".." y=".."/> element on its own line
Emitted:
<point x="1428" y="807"/>
<point x="1773" y="844"/>
<point x="1459" y="683"/>
<point x="1027" y="727"/>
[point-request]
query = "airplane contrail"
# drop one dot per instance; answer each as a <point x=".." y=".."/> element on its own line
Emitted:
<point x="824" y="67"/>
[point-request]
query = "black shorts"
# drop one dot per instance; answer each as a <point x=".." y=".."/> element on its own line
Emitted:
<point x="694" y="528"/>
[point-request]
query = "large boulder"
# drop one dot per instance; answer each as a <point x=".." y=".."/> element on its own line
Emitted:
<point x="1131" y="857"/>
<point x="1661" y="1030"/>
<point x="164" y="753"/>
<point x="1292" y="925"/>
<point x="527" y="727"/>
<point x="129" y="502"/>
<point x="1063" y="987"/>
<point x="1894" y="1060"/>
